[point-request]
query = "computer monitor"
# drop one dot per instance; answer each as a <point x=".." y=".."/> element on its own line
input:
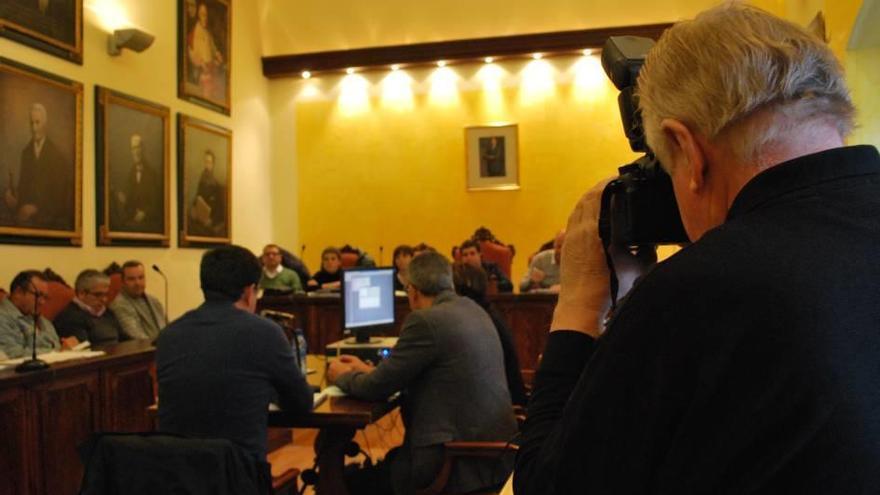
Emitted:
<point x="367" y="301"/>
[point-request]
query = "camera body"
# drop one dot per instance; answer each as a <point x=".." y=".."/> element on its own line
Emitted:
<point x="638" y="207"/>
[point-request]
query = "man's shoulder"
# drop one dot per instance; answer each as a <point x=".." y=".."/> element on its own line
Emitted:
<point x="543" y="256"/>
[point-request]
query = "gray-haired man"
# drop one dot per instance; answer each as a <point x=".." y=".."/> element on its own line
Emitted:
<point x="449" y="364"/>
<point x="87" y="316"/>
<point x="748" y="361"/>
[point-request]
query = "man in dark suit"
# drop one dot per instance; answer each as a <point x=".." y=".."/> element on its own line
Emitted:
<point x="449" y="365"/>
<point x="140" y="204"/>
<point x="748" y="361"/>
<point x="220" y="365"/>
<point x="44" y="196"/>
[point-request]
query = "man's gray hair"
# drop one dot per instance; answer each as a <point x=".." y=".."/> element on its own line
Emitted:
<point x="89" y="278"/>
<point x="430" y="273"/>
<point x="734" y="62"/>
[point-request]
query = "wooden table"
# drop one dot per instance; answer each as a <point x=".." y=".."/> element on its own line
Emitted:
<point x="527" y="315"/>
<point x="338" y="418"/>
<point x="44" y="415"/>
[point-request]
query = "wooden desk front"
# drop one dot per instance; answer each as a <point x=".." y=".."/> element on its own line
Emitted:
<point x="46" y="414"/>
<point x="527" y="315"/>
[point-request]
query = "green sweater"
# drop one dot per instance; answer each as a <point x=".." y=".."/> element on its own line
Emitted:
<point x="286" y="280"/>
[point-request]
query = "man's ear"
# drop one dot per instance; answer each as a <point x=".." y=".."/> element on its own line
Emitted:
<point x="686" y="150"/>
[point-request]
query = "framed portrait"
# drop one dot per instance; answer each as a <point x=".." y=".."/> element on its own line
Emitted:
<point x="204" y="52"/>
<point x="492" y="157"/>
<point x="53" y="26"/>
<point x="41" y="161"/>
<point x="204" y="182"/>
<point x="132" y="185"/>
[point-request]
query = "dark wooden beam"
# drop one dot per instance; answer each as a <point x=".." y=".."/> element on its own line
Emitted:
<point x="456" y="51"/>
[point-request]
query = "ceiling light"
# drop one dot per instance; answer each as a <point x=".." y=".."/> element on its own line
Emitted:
<point x="441" y="63"/>
<point x="306" y="74"/>
<point x="349" y="71"/>
<point x="588" y="51"/>
<point x="537" y="56"/>
<point x="488" y="60"/>
<point x="395" y="67"/>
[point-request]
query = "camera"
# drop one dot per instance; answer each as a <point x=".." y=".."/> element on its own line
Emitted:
<point x="638" y="207"/>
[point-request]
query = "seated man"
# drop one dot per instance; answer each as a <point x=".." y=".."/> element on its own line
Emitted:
<point x="275" y="276"/>
<point x="27" y="293"/>
<point x="470" y="254"/>
<point x="86" y="317"/>
<point x="544" y="268"/>
<point x="220" y="365"/>
<point x="140" y="315"/>
<point x="449" y="364"/>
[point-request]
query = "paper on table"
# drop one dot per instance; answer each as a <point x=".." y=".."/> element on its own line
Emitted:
<point x="57" y="357"/>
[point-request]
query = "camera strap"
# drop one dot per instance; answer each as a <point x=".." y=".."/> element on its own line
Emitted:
<point x="605" y="236"/>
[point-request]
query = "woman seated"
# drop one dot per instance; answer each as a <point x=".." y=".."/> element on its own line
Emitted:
<point x="403" y="254"/>
<point x="472" y="282"/>
<point x="329" y="276"/>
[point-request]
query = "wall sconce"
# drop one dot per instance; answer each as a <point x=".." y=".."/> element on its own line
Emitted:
<point x="133" y="39"/>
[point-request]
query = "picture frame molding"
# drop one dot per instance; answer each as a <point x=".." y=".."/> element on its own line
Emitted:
<point x="40" y="236"/>
<point x="182" y="93"/>
<point x="512" y="183"/>
<point x="103" y="97"/>
<point x="184" y="239"/>
<point x="34" y="39"/>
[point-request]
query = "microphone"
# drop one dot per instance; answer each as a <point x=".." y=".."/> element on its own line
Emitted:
<point x="381" y="256"/>
<point x="302" y="251"/>
<point x="157" y="270"/>
<point x="33" y="364"/>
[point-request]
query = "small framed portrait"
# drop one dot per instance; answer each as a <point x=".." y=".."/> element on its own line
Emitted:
<point x="204" y="183"/>
<point x="205" y="53"/>
<point x="492" y="157"/>
<point x="41" y="161"/>
<point x="132" y="170"/>
<point x="53" y="26"/>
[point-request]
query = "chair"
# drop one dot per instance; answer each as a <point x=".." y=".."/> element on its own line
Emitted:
<point x="60" y="295"/>
<point x="455" y="451"/>
<point x="349" y="260"/>
<point x="169" y="464"/>
<point x="492" y="249"/>
<point x="283" y="484"/>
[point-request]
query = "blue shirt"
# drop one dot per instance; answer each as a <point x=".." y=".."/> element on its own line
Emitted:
<point x="17" y="330"/>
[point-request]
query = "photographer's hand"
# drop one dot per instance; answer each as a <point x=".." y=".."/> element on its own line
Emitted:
<point x="584" y="296"/>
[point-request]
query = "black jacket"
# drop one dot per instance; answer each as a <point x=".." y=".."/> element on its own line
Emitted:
<point x="218" y="367"/>
<point x="746" y="363"/>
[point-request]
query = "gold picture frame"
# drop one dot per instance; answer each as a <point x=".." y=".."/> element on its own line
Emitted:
<point x="204" y="53"/>
<point x="133" y="170"/>
<point x="204" y="183"/>
<point x="55" y="27"/>
<point x="41" y="178"/>
<point x="492" y="157"/>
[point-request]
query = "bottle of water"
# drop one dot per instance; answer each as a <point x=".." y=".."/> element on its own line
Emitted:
<point x="301" y="349"/>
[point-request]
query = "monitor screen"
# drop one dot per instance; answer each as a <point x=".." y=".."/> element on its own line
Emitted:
<point x="368" y="297"/>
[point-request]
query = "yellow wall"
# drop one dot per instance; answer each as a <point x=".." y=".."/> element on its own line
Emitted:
<point x="152" y="75"/>
<point x="863" y="69"/>
<point x="394" y="172"/>
<point x="313" y="25"/>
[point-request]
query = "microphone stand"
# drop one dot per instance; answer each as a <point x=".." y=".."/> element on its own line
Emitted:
<point x="164" y="278"/>
<point x="33" y="364"/>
